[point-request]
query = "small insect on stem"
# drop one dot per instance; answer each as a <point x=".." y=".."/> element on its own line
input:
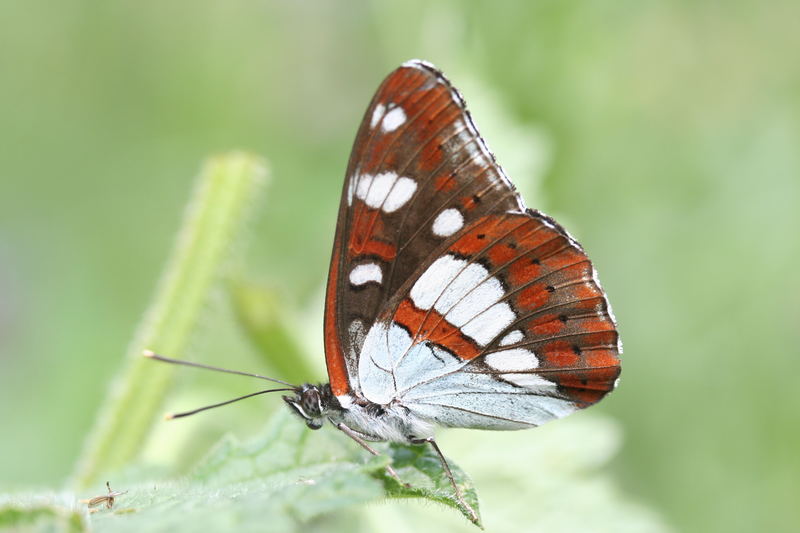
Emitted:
<point x="107" y="499"/>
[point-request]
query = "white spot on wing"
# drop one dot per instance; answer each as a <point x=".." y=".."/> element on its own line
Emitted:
<point x="350" y="187"/>
<point x="534" y="382"/>
<point x="466" y="298"/>
<point x="469" y="294"/>
<point x="385" y="191"/>
<point x="512" y="338"/>
<point x="373" y="189"/>
<point x="429" y="285"/>
<point x="514" y="360"/>
<point x="401" y="193"/>
<point x="448" y="222"/>
<point x="488" y="325"/>
<point x="377" y="113"/>
<point x="366" y="273"/>
<point x="393" y="119"/>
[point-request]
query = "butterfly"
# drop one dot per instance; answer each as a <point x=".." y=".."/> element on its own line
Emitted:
<point x="449" y="303"/>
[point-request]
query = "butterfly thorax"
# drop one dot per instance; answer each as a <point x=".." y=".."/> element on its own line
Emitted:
<point x="371" y="421"/>
<point x="391" y="422"/>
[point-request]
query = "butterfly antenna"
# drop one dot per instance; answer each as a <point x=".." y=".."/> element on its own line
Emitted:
<point x="152" y="355"/>
<point x="207" y="407"/>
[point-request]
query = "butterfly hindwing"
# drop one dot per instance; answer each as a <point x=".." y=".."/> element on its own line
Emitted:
<point x="418" y="174"/>
<point x="506" y="329"/>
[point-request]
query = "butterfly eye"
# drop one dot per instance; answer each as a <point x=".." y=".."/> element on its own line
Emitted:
<point x="313" y="423"/>
<point x="311" y="401"/>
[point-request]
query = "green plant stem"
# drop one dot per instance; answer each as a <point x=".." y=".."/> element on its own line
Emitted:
<point x="213" y="220"/>
<point x="262" y="315"/>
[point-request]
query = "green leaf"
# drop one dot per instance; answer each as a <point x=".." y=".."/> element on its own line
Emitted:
<point x="277" y="482"/>
<point x="421" y="470"/>
<point x="42" y="512"/>
<point x="553" y="479"/>
<point x="280" y="481"/>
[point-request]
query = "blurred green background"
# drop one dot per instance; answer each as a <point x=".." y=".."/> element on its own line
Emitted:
<point x="665" y="135"/>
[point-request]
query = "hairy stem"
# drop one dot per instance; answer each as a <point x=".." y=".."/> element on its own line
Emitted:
<point x="214" y="218"/>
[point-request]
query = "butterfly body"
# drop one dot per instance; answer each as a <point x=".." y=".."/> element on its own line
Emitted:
<point x="391" y="422"/>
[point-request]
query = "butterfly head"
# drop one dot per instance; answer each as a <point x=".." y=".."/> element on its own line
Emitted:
<point x="311" y="403"/>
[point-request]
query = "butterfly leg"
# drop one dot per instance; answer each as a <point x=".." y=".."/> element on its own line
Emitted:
<point x="355" y="436"/>
<point x="459" y="495"/>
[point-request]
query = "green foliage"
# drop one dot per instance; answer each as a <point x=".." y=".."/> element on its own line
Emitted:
<point x="43" y="512"/>
<point x="289" y="478"/>
<point x="420" y="468"/>
<point x="263" y="317"/>
<point x="278" y="482"/>
<point x="213" y="221"/>
<point x="553" y="479"/>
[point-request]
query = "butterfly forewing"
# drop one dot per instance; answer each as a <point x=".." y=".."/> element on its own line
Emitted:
<point x="445" y="293"/>
<point x="419" y="173"/>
